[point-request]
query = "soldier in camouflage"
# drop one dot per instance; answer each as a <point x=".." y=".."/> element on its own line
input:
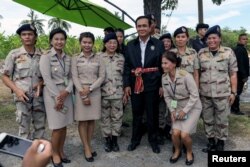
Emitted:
<point x="189" y="60"/>
<point x="218" y="86"/>
<point x="21" y="74"/>
<point x="112" y="93"/>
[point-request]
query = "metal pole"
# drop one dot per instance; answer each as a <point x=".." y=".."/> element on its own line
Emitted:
<point x="123" y="12"/>
<point x="200" y="11"/>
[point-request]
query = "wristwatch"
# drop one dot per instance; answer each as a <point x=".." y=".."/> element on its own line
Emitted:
<point x="234" y="93"/>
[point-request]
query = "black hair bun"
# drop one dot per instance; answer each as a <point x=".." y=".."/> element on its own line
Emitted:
<point x="178" y="63"/>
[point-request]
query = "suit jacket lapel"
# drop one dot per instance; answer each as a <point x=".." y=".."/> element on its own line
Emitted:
<point x="137" y="54"/>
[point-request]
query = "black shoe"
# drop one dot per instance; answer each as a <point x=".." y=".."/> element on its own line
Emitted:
<point x="174" y="160"/>
<point x="132" y="146"/>
<point x="65" y="160"/>
<point x="155" y="148"/>
<point x="57" y="164"/>
<point x="90" y="159"/>
<point x="210" y="146"/>
<point x="125" y="124"/>
<point x="108" y="144"/>
<point x="115" y="146"/>
<point x="190" y="162"/>
<point x="239" y="113"/>
<point x="94" y="154"/>
<point x="220" y="145"/>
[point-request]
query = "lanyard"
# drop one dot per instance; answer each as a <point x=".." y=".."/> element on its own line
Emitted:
<point x="62" y="63"/>
<point x="173" y="89"/>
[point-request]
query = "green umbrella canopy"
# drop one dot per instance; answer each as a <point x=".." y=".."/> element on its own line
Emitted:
<point x="82" y="12"/>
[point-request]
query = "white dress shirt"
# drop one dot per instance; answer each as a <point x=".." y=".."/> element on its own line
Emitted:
<point x="143" y="46"/>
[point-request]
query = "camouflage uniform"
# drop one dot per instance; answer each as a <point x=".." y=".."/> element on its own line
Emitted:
<point x="189" y="61"/>
<point x="215" y="89"/>
<point x="112" y="93"/>
<point x="24" y="71"/>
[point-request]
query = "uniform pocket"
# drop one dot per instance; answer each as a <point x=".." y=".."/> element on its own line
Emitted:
<point x="223" y="86"/>
<point x="23" y="69"/>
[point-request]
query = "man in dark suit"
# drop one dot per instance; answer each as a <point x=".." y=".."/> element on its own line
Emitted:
<point x="142" y="80"/>
<point x="243" y="71"/>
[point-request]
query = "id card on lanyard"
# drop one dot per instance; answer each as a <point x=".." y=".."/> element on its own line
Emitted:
<point x="62" y="64"/>
<point x="173" y="103"/>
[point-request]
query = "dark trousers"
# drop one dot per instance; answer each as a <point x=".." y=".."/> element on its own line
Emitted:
<point x="236" y="105"/>
<point x="148" y="102"/>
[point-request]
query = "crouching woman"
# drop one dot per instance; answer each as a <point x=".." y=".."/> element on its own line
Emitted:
<point x="182" y="97"/>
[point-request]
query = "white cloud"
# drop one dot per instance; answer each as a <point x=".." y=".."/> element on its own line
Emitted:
<point x="217" y="19"/>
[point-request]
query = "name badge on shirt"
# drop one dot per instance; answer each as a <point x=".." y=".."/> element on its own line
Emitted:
<point x="66" y="81"/>
<point x="173" y="104"/>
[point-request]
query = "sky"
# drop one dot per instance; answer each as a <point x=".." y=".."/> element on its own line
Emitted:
<point x="231" y="13"/>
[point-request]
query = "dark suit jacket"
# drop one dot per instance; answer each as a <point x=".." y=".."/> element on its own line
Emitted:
<point x="153" y="54"/>
<point x="197" y="44"/>
<point x="242" y="61"/>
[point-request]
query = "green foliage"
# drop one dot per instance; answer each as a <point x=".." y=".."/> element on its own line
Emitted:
<point x="7" y="43"/>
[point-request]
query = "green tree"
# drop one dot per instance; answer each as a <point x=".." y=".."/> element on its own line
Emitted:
<point x="35" y="21"/>
<point x="56" y="22"/>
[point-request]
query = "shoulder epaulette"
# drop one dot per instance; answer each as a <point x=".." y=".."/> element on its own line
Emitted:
<point x="182" y="72"/>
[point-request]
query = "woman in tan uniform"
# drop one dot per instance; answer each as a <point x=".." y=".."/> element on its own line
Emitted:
<point x="190" y="61"/>
<point x="55" y="69"/>
<point x="88" y="72"/>
<point x="182" y="97"/>
<point x="112" y="92"/>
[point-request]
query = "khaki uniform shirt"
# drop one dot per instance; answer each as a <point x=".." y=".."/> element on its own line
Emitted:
<point x="88" y="71"/>
<point x="189" y="61"/>
<point x="215" y="72"/>
<point x="112" y="87"/>
<point x="56" y="72"/>
<point x="23" y="69"/>
<point x="183" y="89"/>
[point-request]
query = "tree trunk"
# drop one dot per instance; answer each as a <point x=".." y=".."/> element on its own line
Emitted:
<point x="200" y="11"/>
<point x="153" y="7"/>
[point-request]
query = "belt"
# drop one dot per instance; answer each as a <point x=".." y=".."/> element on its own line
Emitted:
<point x="139" y="87"/>
<point x="21" y="78"/>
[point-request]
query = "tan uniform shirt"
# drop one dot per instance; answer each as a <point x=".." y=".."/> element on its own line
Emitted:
<point x="112" y="87"/>
<point x="56" y="72"/>
<point x="189" y="61"/>
<point x="23" y="69"/>
<point x="215" y="72"/>
<point x="88" y="71"/>
<point x="183" y="90"/>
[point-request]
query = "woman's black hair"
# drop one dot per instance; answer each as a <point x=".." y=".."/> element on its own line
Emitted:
<point x="56" y="31"/>
<point x="171" y="56"/>
<point x="120" y="30"/>
<point x="87" y="35"/>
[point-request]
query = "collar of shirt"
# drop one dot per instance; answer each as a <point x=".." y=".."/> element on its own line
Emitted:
<point x="23" y="51"/>
<point x="53" y="52"/>
<point x="87" y="57"/>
